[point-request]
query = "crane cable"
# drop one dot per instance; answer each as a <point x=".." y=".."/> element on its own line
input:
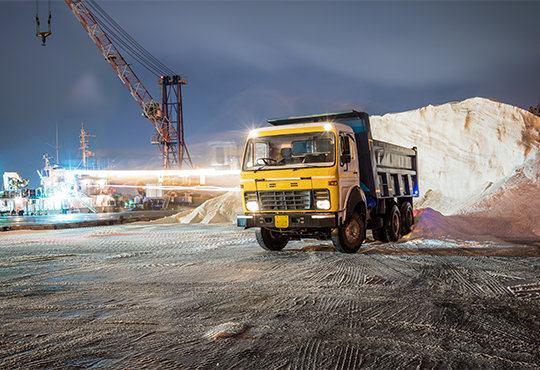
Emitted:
<point x="47" y="33"/>
<point x="127" y="43"/>
<point x="151" y="60"/>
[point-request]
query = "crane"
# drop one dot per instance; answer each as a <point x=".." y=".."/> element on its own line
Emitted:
<point x="164" y="116"/>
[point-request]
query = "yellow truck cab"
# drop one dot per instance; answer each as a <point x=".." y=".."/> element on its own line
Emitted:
<point x="324" y="177"/>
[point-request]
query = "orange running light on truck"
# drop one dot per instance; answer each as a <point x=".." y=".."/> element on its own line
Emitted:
<point x="332" y="183"/>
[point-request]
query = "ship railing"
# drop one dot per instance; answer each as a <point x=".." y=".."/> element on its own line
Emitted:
<point x="80" y="196"/>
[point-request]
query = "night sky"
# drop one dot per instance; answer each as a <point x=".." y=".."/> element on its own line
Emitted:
<point x="251" y="60"/>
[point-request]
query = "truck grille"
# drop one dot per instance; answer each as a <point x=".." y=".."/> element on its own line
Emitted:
<point x="285" y="200"/>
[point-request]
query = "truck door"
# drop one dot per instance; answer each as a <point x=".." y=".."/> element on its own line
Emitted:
<point x="348" y="167"/>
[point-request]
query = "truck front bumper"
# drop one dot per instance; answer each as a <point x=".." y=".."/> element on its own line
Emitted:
<point x="287" y="221"/>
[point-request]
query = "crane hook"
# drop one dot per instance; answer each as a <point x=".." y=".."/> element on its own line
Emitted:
<point x="47" y="33"/>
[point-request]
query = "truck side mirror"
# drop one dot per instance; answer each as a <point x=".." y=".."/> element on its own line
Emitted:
<point x="345" y="150"/>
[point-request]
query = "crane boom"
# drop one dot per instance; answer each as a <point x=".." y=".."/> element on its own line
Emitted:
<point x="166" y="135"/>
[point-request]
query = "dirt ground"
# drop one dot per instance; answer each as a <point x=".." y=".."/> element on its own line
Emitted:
<point x="145" y="296"/>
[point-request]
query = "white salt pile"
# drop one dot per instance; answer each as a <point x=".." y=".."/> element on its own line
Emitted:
<point x="463" y="148"/>
<point x="221" y="209"/>
<point x="508" y="210"/>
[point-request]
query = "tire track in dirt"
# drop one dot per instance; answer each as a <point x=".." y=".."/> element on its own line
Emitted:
<point x="348" y="359"/>
<point x="473" y="278"/>
<point x="309" y="355"/>
<point x="151" y="303"/>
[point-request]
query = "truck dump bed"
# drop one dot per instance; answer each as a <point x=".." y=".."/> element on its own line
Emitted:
<point x="386" y="170"/>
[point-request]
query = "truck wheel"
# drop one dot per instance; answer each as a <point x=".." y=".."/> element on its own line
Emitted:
<point x="350" y="237"/>
<point x="392" y="223"/>
<point x="271" y="240"/>
<point x="407" y="218"/>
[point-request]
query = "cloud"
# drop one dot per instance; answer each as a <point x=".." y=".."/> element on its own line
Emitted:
<point x="86" y="91"/>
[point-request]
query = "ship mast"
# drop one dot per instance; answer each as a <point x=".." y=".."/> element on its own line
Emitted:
<point x="84" y="145"/>
<point x="57" y="147"/>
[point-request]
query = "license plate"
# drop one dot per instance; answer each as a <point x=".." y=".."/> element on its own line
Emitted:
<point x="282" y="222"/>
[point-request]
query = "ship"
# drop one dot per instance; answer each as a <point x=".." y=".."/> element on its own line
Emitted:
<point x="62" y="190"/>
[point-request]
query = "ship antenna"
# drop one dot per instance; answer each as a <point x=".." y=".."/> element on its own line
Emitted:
<point x="57" y="147"/>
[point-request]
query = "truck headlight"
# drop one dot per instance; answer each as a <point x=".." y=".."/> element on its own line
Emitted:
<point x="252" y="206"/>
<point x="322" y="198"/>
<point x="250" y="199"/>
<point x="323" y="204"/>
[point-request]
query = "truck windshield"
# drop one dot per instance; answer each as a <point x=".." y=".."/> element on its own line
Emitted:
<point x="313" y="149"/>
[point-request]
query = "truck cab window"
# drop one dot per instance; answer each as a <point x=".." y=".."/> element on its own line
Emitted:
<point x="255" y="151"/>
<point x="290" y="151"/>
<point x="352" y="146"/>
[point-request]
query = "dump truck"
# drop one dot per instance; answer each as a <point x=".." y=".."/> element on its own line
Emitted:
<point x="324" y="177"/>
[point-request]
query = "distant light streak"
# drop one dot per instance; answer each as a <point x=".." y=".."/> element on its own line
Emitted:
<point x="172" y="187"/>
<point x="203" y="173"/>
<point x="157" y="173"/>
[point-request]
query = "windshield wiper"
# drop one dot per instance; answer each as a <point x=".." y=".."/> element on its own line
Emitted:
<point x="300" y="168"/>
<point x="260" y="168"/>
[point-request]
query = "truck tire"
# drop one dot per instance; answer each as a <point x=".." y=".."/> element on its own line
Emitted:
<point x="392" y="223"/>
<point x="407" y="218"/>
<point x="271" y="240"/>
<point x="351" y="235"/>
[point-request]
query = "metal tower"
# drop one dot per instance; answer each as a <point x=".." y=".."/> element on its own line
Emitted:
<point x="171" y="106"/>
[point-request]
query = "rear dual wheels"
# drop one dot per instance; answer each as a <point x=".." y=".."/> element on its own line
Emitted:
<point x="392" y="223"/>
<point x="390" y="232"/>
<point x="271" y="240"/>
<point x="351" y="235"/>
<point x="407" y="218"/>
<point x="397" y="222"/>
